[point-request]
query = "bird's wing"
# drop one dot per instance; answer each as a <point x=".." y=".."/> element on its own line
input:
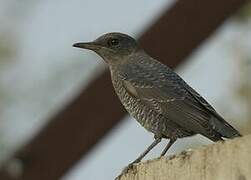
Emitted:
<point x="158" y="86"/>
<point x="218" y="123"/>
<point x="151" y="83"/>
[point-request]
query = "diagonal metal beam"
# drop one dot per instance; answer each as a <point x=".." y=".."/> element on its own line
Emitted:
<point x="79" y="126"/>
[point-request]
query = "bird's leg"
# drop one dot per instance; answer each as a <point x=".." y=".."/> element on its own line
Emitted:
<point x="170" y="143"/>
<point x="142" y="155"/>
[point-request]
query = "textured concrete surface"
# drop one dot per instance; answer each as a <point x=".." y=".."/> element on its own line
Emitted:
<point x="229" y="160"/>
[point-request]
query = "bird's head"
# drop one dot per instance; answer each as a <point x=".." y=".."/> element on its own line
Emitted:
<point x="112" y="47"/>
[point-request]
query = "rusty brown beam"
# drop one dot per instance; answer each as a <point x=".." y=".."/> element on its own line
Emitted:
<point x="79" y="126"/>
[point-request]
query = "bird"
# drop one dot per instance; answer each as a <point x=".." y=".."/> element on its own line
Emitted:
<point x="158" y="98"/>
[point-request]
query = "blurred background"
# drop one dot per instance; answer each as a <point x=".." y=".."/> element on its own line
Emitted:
<point x="41" y="73"/>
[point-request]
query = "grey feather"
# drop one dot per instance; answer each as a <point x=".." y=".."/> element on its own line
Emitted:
<point x="176" y="100"/>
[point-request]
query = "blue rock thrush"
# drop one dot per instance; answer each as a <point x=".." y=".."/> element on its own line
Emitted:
<point x="159" y="99"/>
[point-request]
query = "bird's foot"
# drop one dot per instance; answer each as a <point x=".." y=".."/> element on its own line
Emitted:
<point x="125" y="170"/>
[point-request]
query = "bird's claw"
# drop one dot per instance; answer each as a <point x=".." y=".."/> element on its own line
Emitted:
<point x="125" y="170"/>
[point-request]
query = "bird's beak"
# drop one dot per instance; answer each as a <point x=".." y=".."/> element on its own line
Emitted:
<point x="87" y="45"/>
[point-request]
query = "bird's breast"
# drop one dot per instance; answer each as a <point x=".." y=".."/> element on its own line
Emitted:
<point x="145" y="115"/>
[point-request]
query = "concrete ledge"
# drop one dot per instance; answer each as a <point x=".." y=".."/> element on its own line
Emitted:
<point x="229" y="160"/>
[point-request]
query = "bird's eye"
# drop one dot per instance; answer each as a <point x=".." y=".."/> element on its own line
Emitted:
<point x="113" y="42"/>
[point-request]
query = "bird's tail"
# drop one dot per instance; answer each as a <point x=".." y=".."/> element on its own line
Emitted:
<point x="224" y="128"/>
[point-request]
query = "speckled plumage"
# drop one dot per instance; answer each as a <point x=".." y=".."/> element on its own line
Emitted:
<point x="156" y="96"/>
<point x="146" y="110"/>
<point x="163" y="103"/>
